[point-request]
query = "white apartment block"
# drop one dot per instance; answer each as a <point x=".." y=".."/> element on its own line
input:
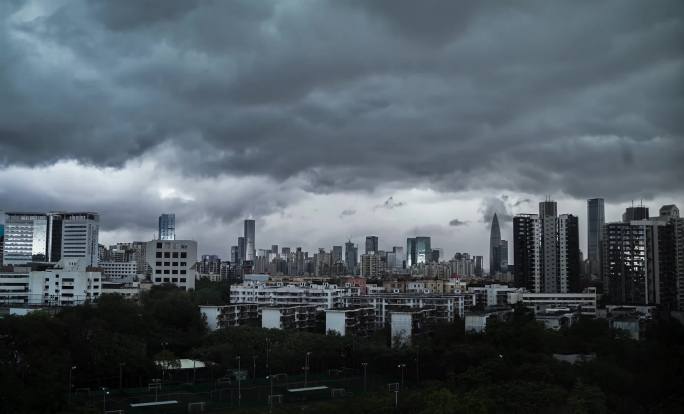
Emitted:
<point x="541" y="302"/>
<point x="405" y="324"/>
<point x="446" y="307"/>
<point x="324" y="296"/>
<point x="492" y="295"/>
<point x="223" y="316"/>
<point x="301" y="317"/>
<point x="172" y="261"/>
<point x="68" y="283"/>
<point x="129" y="290"/>
<point x="352" y="321"/>
<point x="119" y="270"/>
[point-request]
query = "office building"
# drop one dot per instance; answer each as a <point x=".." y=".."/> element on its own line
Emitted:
<point x="242" y="250"/>
<point x="37" y="237"/>
<point x="119" y="270"/>
<point x="418" y="251"/>
<point x="167" y="226"/>
<point x="172" y="261"/>
<point x="80" y="237"/>
<point x="337" y="254"/>
<point x="372" y="244"/>
<point x="596" y="220"/>
<point x="351" y="257"/>
<point x="250" y="246"/>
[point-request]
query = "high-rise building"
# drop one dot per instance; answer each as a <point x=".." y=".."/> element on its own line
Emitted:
<point x="410" y="252"/>
<point x="546" y="250"/>
<point x="80" y="232"/>
<point x="26" y="236"/>
<point x="526" y="251"/>
<point x="595" y="222"/>
<point x="423" y="250"/>
<point x="234" y="255"/>
<point x="351" y="257"/>
<point x="167" y="226"/>
<point x="336" y="254"/>
<point x="494" y="247"/>
<point x="242" y="250"/>
<point x="642" y="259"/>
<point x="2" y="239"/>
<point x="274" y="249"/>
<point x="250" y="246"/>
<point x="37" y="237"/>
<point x="398" y="257"/>
<point x="371" y="244"/>
<point x="635" y="213"/>
<point x="478" y="266"/>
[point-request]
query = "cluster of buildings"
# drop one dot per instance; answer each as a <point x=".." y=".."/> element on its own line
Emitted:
<point x="55" y="259"/>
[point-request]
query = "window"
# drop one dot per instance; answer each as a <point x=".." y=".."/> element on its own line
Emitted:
<point x="159" y="245"/>
<point x="157" y="279"/>
<point x="167" y="263"/>
<point x="166" y="280"/>
<point x="158" y="264"/>
<point x="182" y="279"/>
<point x="159" y="255"/>
<point x="174" y="279"/>
<point x="167" y="255"/>
<point x="175" y="264"/>
<point x="175" y="255"/>
<point x="166" y="271"/>
<point x="174" y="272"/>
<point x="184" y="255"/>
<point x="184" y="263"/>
<point x="157" y="272"/>
<point x="183" y="272"/>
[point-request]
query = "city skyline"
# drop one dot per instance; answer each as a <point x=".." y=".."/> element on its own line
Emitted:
<point x="425" y="120"/>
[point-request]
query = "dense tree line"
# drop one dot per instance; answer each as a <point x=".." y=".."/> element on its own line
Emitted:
<point x="510" y="368"/>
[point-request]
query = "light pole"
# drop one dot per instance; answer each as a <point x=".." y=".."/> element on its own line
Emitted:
<point x="268" y="350"/>
<point x="121" y="365"/>
<point x="71" y="370"/>
<point x="365" y="382"/>
<point x="254" y="358"/>
<point x="418" y="364"/>
<point x="402" y="367"/>
<point x="239" y="378"/>
<point x="104" y="399"/>
<point x="306" y="368"/>
<point x="270" y="395"/>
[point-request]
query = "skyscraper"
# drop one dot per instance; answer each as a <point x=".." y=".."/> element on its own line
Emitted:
<point x="494" y="243"/>
<point x="371" y="244"/>
<point x="595" y="222"/>
<point x="546" y="250"/>
<point x="635" y="213"/>
<point x="422" y="250"/>
<point x="242" y="250"/>
<point x="410" y="252"/>
<point x="167" y="226"/>
<point x="351" y="257"/>
<point x="250" y="249"/>
<point x="336" y="254"/>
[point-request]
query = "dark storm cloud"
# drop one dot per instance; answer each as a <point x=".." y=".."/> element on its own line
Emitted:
<point x="457" y="222"/>
<point x="538" y="97"/>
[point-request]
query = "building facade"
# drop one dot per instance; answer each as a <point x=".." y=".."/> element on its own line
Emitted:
<point x="172" y="261"/>
<point x="167" y="226"/>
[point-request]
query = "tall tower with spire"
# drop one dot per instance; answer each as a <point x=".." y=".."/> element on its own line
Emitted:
<point x="494" y="247"/>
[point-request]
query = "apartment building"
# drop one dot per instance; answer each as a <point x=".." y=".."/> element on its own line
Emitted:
<point x="350" y="321"/>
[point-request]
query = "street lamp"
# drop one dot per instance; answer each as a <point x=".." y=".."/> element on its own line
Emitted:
<point x="268" y="350"/>
<point x="105" y="392"/>
<point x="270" y="395"/>
<point x="239" y="378"/>
<point x="306" y="368"/>
<point x="402" y="367"/>
<point x="71" y="370"/>
<point x="365" y="382"/>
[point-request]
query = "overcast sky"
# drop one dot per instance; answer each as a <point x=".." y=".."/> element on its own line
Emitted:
<point x="329" y="120"/>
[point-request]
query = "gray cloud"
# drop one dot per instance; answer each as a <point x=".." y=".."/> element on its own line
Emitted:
<point x="457" y="222"/>
<point x="496" y="205"/>
<point x="347" y="212"/>
<point x="390" y="204"/>
<point x="577" y="98"/>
